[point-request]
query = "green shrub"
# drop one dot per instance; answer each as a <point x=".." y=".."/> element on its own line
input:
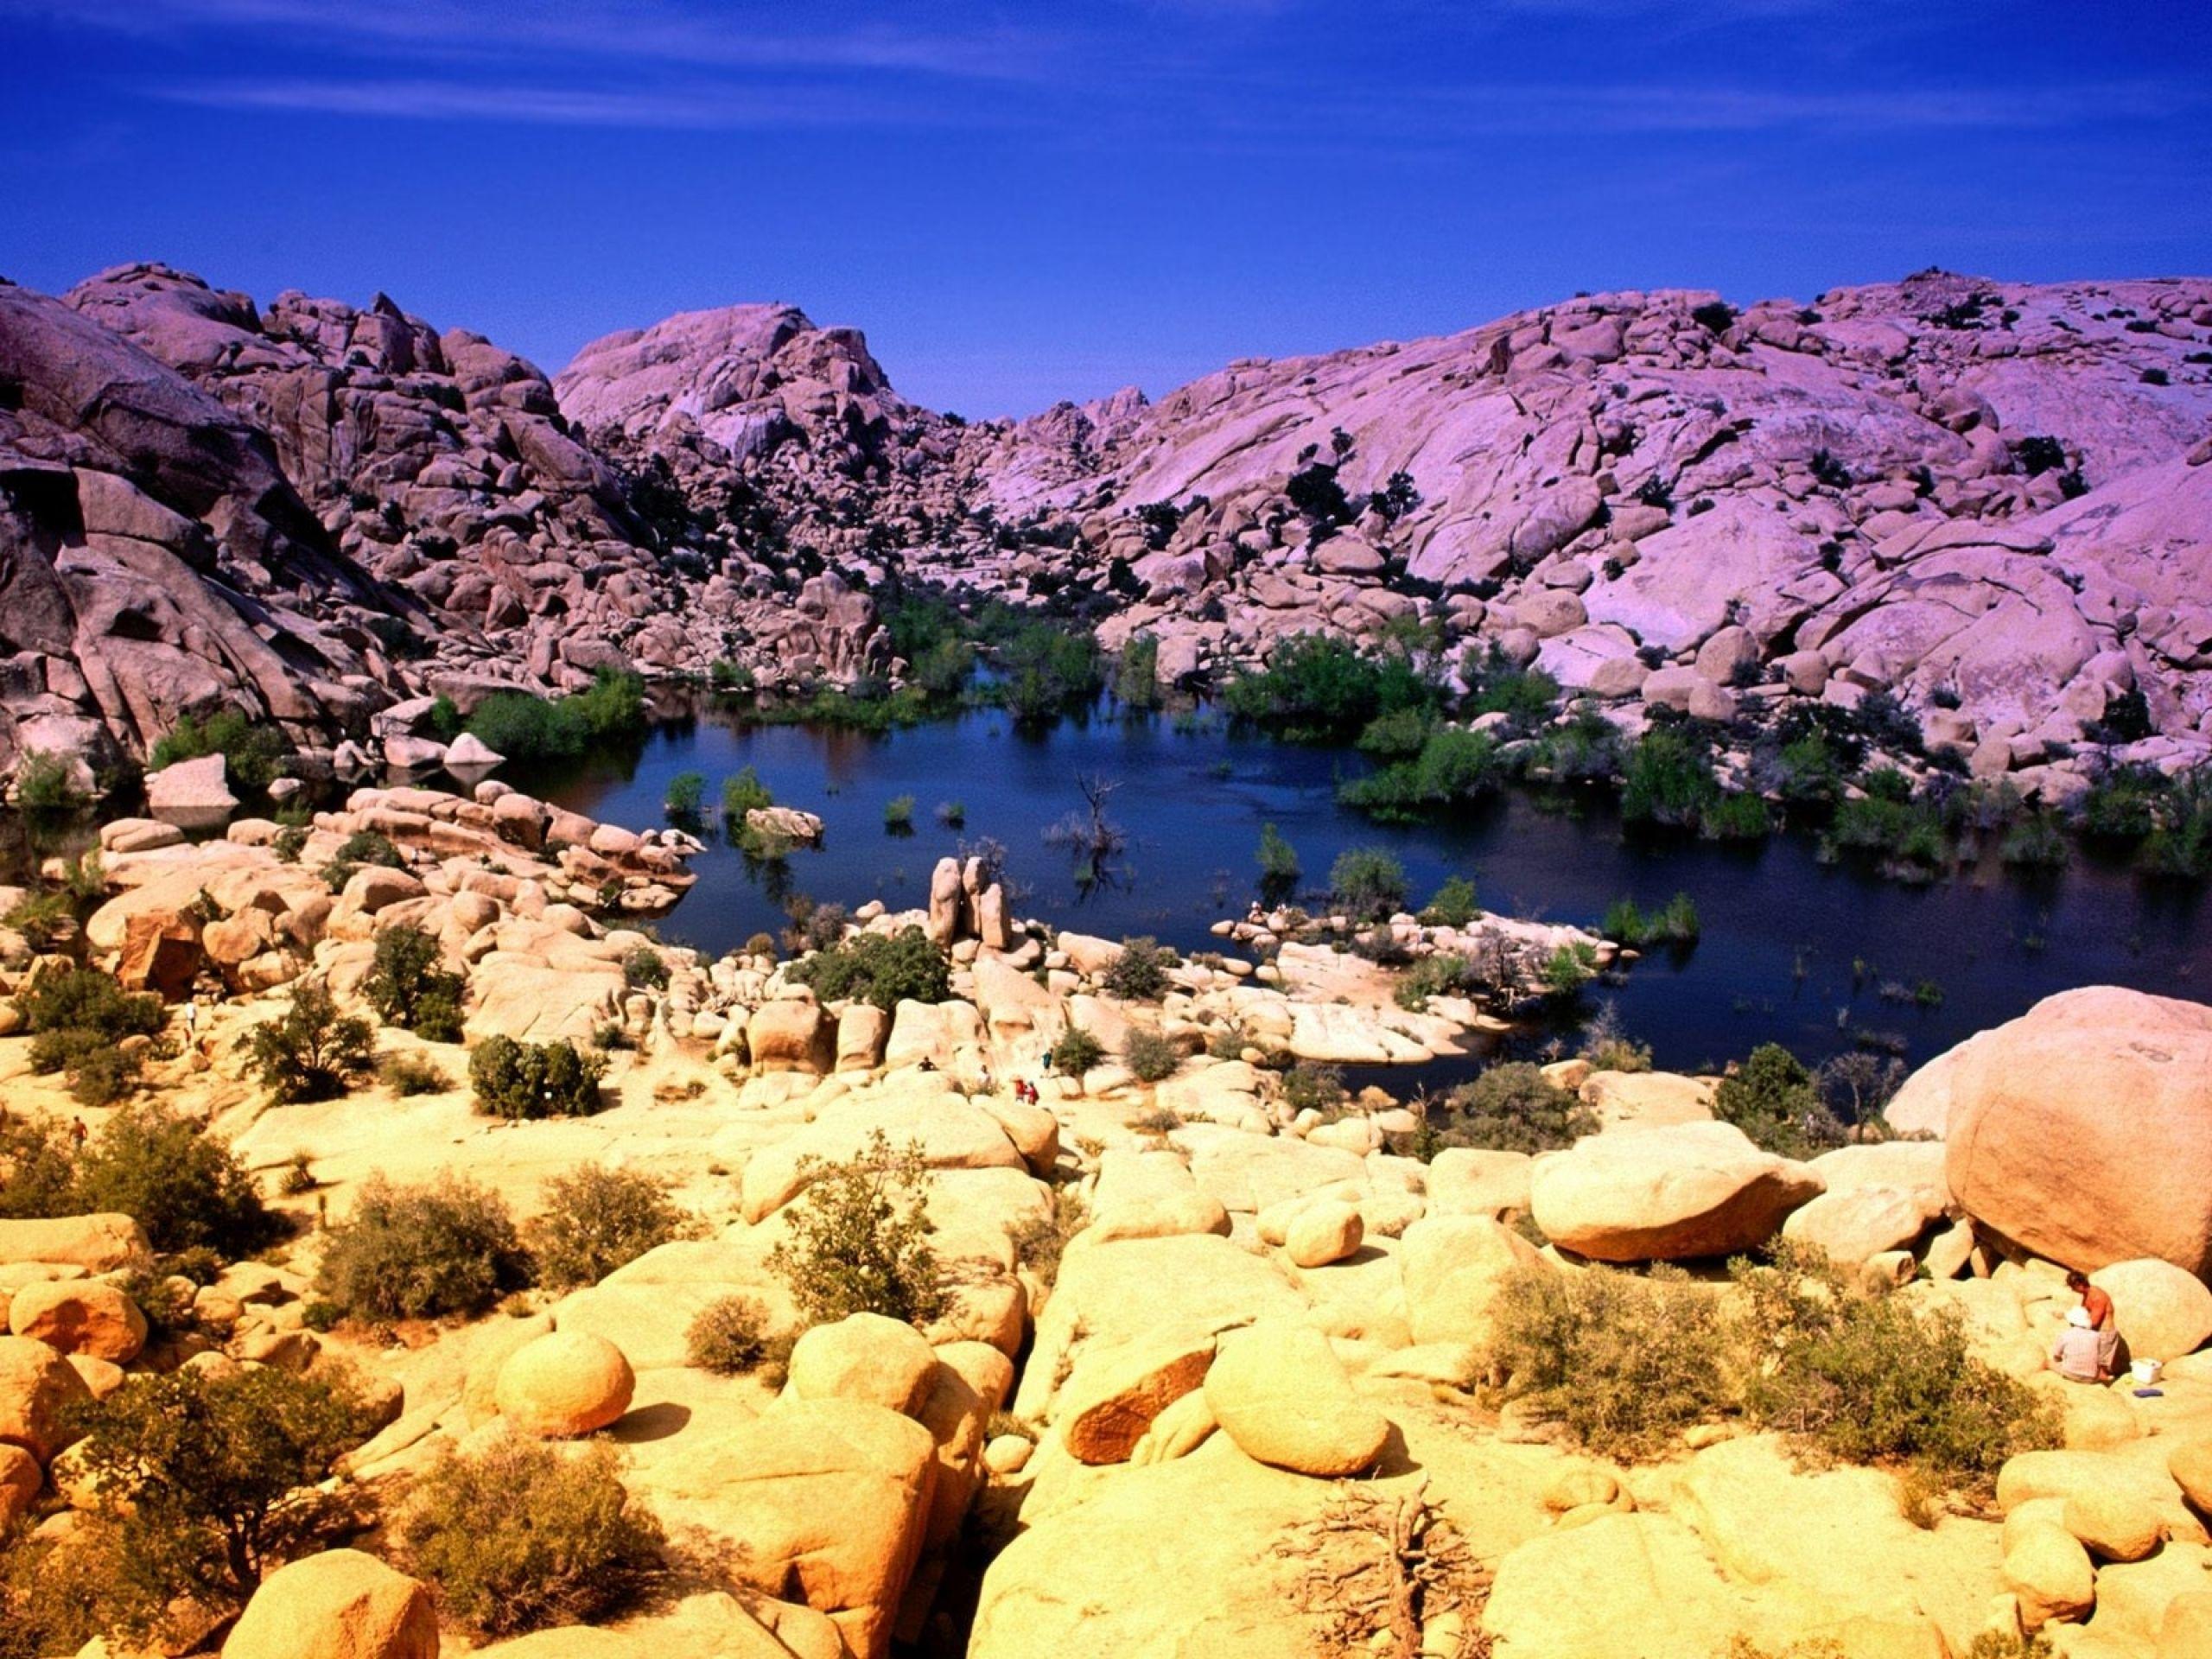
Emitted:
<point x="185" y="1186"/>
<point x="409" y="987"/>
<point x="1278" y="862"/>
<point x="1667" y="780"/>
<point x="1136" y="675"/>
<point x="425" y="1252"/>
<point x="1772" y="1098"/>
<point x="2036" y="841"/>
<point x="1569" y="968"/>
<point x="1150" y="1056"/>
<point x="730" y="1337"/>
<point x="1454" y="765"/>
<point x="46" y="783"/>
<point x="1367" y="883"/>
<point x="686" y="793"/>
<point x="596" y="1220"/>
<point x="1528" y="698"/>
<point x="1674" y="922"/>
<point x="1076" y="1051"/>
<point x="363" y="846"/>
<point x="645" y="968"/>
<point x="858" y="1238"/>
<point x="1319" y="689"/>
<point x="1736" y="816"/>
<point x="407" y="1075"/>
<point x="517" y="1080"/>
<point x="518" y="1535"/>
<point x="36" y="1174"/>
<point x="951" y="814"/>
<point x="1441" y="974"/>
<point x="1452" y="905"/>
<point x="253" y="751"/>
<point x="526" y="728"/>
<point x="1622" y="1363"/>
<point x="899" y="813"/>
<point x="882" y="969"/>
<point x="85" y="1000"/>
<point x="1139" y="973"/>
<point x="1513" y="1107"/>
<point x="742" y="794"/>
<point x="1868" y="1378"/>
<point x="1309" y="1086"/>
<point x="206" y="1480"/>
<point x="310" y="1051"/>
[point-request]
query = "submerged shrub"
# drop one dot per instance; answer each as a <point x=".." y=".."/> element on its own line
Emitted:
<point x="1367" y="882"/>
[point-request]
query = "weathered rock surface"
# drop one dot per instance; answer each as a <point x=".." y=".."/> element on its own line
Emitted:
<point x="1667" y="1194"/>
<point x="340" y="1605"/>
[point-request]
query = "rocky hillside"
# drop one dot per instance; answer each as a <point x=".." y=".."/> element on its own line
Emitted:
<point x="1953" y="487"/>
<point x="1991" y="498"/>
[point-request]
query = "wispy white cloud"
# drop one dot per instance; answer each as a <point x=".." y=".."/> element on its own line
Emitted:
<point x="696" y="107"/>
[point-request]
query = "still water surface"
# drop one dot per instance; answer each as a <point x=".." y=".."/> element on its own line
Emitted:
<point x="1783" y="931"/>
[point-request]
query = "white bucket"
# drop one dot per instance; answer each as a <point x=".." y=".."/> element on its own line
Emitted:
<point x="2145" y="1372"/>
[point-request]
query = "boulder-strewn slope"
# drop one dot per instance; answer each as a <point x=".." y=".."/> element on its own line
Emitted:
<point x="1945" y="485"/>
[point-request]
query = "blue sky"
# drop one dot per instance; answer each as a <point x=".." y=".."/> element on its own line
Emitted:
<point x="1025" y="202"/>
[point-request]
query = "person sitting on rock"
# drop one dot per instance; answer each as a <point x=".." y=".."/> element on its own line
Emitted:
<point x="2079" y="1354"/>
<point x="2097" y="1304"/>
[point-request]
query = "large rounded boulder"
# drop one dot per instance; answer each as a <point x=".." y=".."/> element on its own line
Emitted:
<point x="340" y="1605"/>
<point x="563" y="1384"/>
<point x="2082" y="1130"/>
<point x="79" y="1316"/>
<point x="38" y="1388"/>
<point x="1667" y="1194"/>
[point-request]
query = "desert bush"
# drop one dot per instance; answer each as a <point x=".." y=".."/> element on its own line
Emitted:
<point x="1871" y="1379"/>
<point x="1569" y="968"/>
<point x="518" y="1535"/>
<point x="1309" y="1086"/>
<point x="1607" y="1046"/>
<point x="1452" y="905"/>
<point x="1150" y="1056"/>
<point x="1452" y="766"/>
<point x="1368" y="883"/>
<point x="409" y="986"/>
<point x="1513" y="1107"/>
<point x="1674" y="922"/>
<point x="207" y="1481"/>
<point x="859" y="1238"/>
<point x="46" y="784"/>
<point x="527" y="728"/>
<point x="1040" y="1241"/>
<point x="881" y="969"/>
<point x="1139" y="973"/>
<point x="596" y="1220"/>
<point x="62" y="1001"/>
<point x="185" y="1186"/>
<point x="36" y="1174"/>
<point x="516" y="1080"/>
<point x="645" y="968"/>
<point x="253" y="751"/>
<point x="433" y="1252"/>
<point x="310" y="1051"/>
<point x="730" y="1337"/>
<point x="1622" y="1363"/>
<point x="363" y="846"/>
<point x="1076" y="1051"/>
<point x="1772" y="1098"/>
<point x="1441" y="974"/>
<point x="408" y="1075"/>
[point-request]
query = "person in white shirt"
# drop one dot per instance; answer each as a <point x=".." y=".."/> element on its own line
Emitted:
<point x="2078" y="1355"/>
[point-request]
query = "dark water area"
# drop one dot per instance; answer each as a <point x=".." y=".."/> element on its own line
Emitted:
<point x="1793" y="950"/>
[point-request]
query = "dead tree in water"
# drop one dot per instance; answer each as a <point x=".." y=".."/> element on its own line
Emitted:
<point x="1091" y="835"/>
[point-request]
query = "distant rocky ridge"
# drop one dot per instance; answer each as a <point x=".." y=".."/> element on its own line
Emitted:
<point x="1993" y="499"/>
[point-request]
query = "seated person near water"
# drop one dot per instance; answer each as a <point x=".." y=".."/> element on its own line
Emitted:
<point x="2079" y="1354"/>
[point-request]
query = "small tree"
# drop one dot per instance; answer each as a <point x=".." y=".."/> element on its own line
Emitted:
<point x="185" y="1186"/>
<point x="207" y="1480"/>
<point x="1513" y="1107"/>
<point x="1076" y="1051"/>
<point x="884" y="969"/>
<point x="409" y="988"/>
<point x="1772" y="1098"/>
<point x="1139" y="973"/>
<point x="859" y="1239"/>
<point x="311" y="1051"/>
<point x="517" y="1080"/>
<point x="422" y="1252"/>
<point x="517" y="1535"/>
<point x="597" y="1220"/>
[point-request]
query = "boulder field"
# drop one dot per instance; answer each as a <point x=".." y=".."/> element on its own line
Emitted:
<point x="1212" y="1374"/>
<point x="1987" y="499"/>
